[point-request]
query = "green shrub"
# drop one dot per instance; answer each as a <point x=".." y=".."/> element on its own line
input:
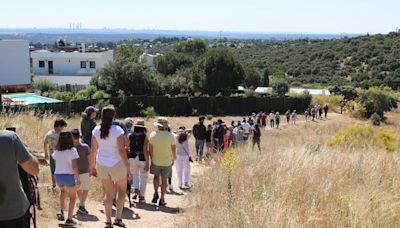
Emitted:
<point x="195" y="112"/>
<point x="376" y="101"/>
<point x="102" y="103"/>
<point x="209" y="117"/>
<point x="63" y="96"/>
<point x="44" y="85"/>
<point x="280" y="86"/>
<point x="148" y="112"/>
<point x="376" y="119"/>
<point x="100" y="94"/>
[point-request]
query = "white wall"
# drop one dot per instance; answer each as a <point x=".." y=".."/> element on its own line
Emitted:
<point x="64" y="80"/>
<point x="69" y="63"/>
<point x="14" y="63"/>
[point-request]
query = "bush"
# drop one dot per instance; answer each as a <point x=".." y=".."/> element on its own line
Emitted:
<point x="319" y="100"/>
<point x="334" y="100"/>
<point x="63" y="96"/>
<point x="376" y="119"/>
<point x="148" y="112"/>
<point x="100" y="94"/>
<point x="102" y="103"/>
<point x="44" y="85"/>
<point x="363" y="137"/>
<point x="386" y="139"/>
<point x="354" y="109"/>
<point x="209" y="117"/>
<point x="195" y="112"/>
<point x="376" y="101"/>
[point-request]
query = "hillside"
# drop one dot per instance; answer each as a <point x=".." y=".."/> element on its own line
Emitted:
<point x="362" y="61"/>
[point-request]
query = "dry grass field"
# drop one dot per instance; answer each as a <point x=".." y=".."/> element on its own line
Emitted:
<point x="296" y="181"/>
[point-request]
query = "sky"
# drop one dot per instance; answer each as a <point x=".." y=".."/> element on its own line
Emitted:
<point x="263" y="16"/>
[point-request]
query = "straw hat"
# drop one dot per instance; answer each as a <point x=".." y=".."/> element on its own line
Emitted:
<point x="139" y="123"/>
<point x="162" y="122"/>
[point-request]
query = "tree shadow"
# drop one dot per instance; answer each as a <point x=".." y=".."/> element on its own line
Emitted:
<point x="127" y="214"/>
<point x="86" y="218"/>
<point x="174" y="193"/>
<point x="165" y="209"/>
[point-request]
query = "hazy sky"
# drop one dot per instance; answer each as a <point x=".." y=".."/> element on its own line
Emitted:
<point x="318" y="16"/>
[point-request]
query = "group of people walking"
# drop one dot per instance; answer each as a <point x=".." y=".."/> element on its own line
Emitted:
<point x="123" y="153"/>
<point x="316" y="112"/>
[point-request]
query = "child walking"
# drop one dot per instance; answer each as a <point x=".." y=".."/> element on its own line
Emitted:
<point x="66" y="174"/>
<point x="83" y="167"/>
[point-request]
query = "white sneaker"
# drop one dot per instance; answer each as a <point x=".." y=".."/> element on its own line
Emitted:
<point x="170" y="188"/>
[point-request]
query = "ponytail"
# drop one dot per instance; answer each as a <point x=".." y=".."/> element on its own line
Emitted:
<point x="182" y="137"/>
<point x="107" y="118"/>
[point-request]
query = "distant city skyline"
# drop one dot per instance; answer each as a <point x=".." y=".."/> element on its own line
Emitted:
<point x="256" y="16"/>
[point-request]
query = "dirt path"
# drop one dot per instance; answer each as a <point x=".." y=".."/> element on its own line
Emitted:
<point x="140" y="215"/>
<point x="148" y="215"/>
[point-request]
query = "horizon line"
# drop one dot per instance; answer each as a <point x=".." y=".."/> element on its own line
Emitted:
<point x="188" y="30"/>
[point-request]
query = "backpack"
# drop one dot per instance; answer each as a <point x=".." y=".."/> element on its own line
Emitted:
<point x="219" y="133"/>
<point x="137" y="143"/>
<point x="30" y="186"/>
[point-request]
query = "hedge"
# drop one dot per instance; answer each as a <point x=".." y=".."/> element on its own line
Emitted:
<point x="179" y="106"/>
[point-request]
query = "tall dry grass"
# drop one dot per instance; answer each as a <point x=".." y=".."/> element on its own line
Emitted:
<point x="297" y="181"/>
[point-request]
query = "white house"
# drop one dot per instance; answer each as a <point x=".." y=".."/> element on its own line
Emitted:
<point x="148" y="59"/>
<point x="74" y="68"/>
<point x="14" y="63"/>
<point x="312" y="92"/>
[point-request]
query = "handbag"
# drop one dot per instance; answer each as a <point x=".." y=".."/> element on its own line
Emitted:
<point x="190" y="157"/>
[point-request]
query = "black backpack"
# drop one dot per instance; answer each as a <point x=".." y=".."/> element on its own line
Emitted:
<point x="137" y="143"/>
<point x="30" y="186"/>
<point x="219" y="133"/>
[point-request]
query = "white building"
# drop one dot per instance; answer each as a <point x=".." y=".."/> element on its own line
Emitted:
<point x="14" y="63"/>
<point x="312" y="92"/>
<point x="74" y="68"/>
<point x="148" y="59"/>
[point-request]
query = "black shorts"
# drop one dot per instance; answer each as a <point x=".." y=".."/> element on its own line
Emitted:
<point x="264" y="123"/>
<point x="22" y="222"/>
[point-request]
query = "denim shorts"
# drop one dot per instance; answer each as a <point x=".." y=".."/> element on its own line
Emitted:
<point x="52" y="165"/>
<point x="65" y="180"/>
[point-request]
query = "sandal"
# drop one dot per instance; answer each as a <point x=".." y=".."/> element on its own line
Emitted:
<point x="60" y="216"/>
<point x="119" y="223"/>
<point x="109" y="225"/>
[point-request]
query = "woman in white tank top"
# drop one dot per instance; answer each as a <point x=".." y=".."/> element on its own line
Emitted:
<point x="109" y="162"/>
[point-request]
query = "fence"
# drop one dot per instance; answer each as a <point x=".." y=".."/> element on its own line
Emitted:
<point x="178" y="106"/>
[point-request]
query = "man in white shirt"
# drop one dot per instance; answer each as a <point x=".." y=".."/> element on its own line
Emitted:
<point x="247" y="129"/>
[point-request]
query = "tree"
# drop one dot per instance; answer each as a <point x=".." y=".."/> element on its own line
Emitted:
<point x="280" y="86"/>
<point x="169" y="63"/>
<point x="252" y="78"/>
<point x="376" y="101"/>
<point x="192" y="47"/>
<point x="265" y="79"/>
<point x="128" y="52"/>
<point x="216" y="71"/>
<point x="131" y="77"/>
<point x="348" y="92"/>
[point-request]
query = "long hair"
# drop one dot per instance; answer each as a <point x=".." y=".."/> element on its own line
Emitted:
<point x="107" y="117"/>
<point x="182" y="137"/>
<point x="140" y="130"/>
<point x="65" y="141"/>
